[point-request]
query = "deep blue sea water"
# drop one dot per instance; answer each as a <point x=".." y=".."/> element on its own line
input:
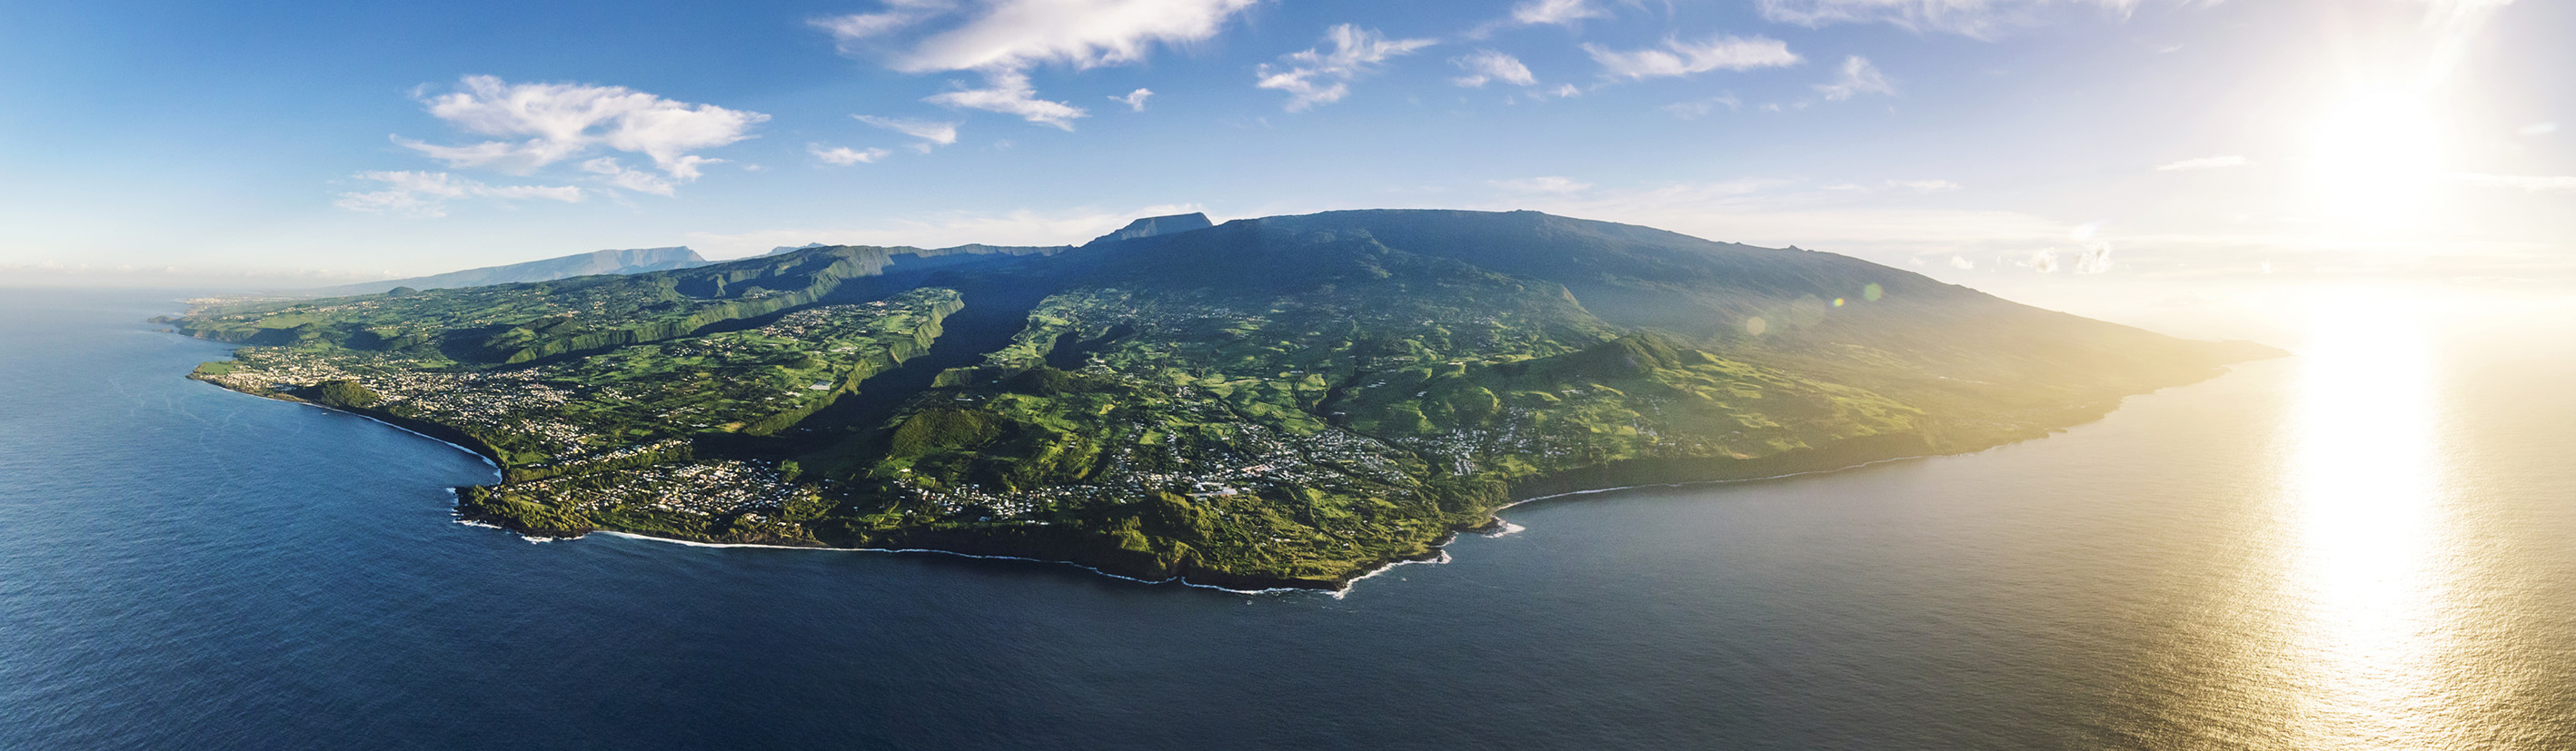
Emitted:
<point x="2370" y="546"/>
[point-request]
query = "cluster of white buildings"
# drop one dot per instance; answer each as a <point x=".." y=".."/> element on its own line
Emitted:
<point x="702" y="488"/>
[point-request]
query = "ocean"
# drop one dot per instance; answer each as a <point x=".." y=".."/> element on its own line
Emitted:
<point x="2372" y="545"/>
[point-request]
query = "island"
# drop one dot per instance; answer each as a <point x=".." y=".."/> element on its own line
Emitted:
<point x="1284" y="402"/>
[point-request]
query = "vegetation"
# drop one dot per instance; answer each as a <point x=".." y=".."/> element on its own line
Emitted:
<point x="344" y="393"/>
<point x="1280" y="402"/>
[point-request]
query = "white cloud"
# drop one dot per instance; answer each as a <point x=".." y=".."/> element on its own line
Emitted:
<point x="1975" y="18"/>
<point x="1548" y="184"/>
<point x="425" y="194"/>
<point x="1859" y="77"/>
<point x="932" y="133"/>
<point x="1018" y="34"/>
<point x="564" y="121"/>
<point x="1688" y="110"/>
<point x="1489" y="65"/>
<point x="2531" y="183"/>
<point x="2204" y="163"/>
<point x="1925" y="186"/>
<point x="1535" y="12"/>
<point x="898" y="14"/>
<point x="1135" y="100"/>
<point x="1679" y="58"/>
<point x="844" y="155"/>
<point x="2096" y="259"/>
<point x="1542" y="12"/>
<point x="2537" y="129"/>
<point x="1315" y="77"/>
<point x="1008" y="37"/>
<point x="1010" y="93"/>
<point x="617" y="174"/>
<point x="1961" y="262"/>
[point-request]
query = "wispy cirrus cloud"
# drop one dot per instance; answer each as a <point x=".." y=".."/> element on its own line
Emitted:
<point x="1701" y="107"/>
<point x="426" y="194"/>
<point x="1009" y="92"/>
<point x="1858" y="77"/>
<point x="1540" y="12"/>
<point x="1004" y="39"/>
<point x="617" y="174"/>
<point x="553" y="122"/>
<point x="1973" y="18"/>
<point x="845" y="156"/>
<point x="1567" y="13"/>
<point x="1679" y="58"/>
<point x="1488" y="65"/>
<point x="852" y="29"/>
<point x="1019" y="34"/>
<point x="1314" y="76"/>
<point x="929" y="133"/>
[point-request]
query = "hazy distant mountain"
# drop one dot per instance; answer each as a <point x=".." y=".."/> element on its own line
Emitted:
<point x="633" y="261"/>
<point x="793" y="248"/>
<point x="1159" y="225"/>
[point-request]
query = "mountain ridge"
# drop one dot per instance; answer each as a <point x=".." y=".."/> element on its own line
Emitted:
<point x="629" y="261"/>
<point x="1271" y="402"/>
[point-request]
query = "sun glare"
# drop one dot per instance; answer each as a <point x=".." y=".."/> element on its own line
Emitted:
<point x="2367" y="587"/>
<point x="2375" y="157"/>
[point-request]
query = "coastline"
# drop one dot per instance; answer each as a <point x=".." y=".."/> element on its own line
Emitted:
<point x="1544" y="487"/>
<point x="486" y="456"/>
<point x="1180" y="580"/>
<point x="1496" y="526"/>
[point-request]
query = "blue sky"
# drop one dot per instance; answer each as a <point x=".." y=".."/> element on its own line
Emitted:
<point x="1989" y="142"/>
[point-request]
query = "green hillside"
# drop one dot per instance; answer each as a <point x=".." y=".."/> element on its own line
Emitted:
<point x="1290" y="401"/>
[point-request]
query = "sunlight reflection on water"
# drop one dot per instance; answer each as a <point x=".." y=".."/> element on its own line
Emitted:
<point x="2369" y="631"/>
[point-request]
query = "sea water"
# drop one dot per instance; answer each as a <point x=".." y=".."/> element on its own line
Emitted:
<point x="2370" y="546"/>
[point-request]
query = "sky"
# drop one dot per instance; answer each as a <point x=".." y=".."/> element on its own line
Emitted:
<point x="2054" y="150"/>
